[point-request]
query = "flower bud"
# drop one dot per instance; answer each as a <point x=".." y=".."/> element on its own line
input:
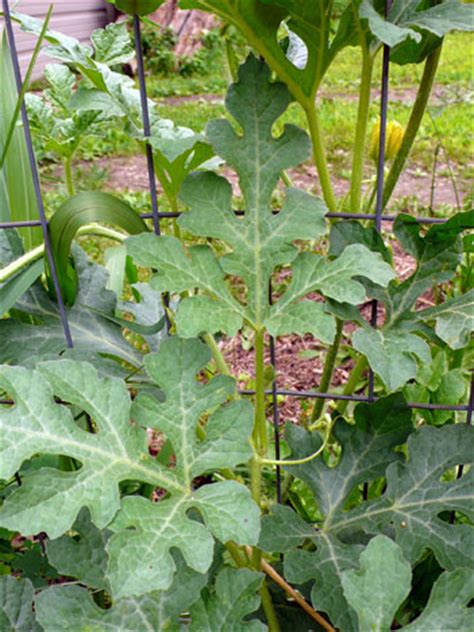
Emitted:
<point x="393" y="140"/>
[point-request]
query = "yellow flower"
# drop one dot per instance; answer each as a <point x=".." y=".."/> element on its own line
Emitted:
<point x="393" y="140"/>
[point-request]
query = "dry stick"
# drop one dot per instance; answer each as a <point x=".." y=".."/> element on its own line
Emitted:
<point x="278" y="579"/>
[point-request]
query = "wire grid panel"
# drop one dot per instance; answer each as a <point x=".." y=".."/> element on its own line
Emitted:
<point x="155" y="216"/>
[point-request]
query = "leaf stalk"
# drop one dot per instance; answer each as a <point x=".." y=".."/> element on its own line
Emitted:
<point x="352" y="382"/>
<point x="69" y="177"/>
<point x="416" y="116"/>
<point x="361" y="131"/>
<point x="328" y="370"/>
<point x="306" y="459"/>
<point x="319" y="154"/>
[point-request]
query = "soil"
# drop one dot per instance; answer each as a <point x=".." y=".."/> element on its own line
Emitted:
<point x="130" y="173"/>
<point x="440" y="95"/>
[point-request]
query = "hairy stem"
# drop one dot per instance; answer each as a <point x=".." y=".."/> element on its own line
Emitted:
<point x="319" y="154"/>
<point x="259" y="435"/>
<point x="352" y="382"/>
<point x="268" y="608"/>
<point x="174" y="208"/>
<point x="22" y="262"/>
<point x="260" y="424"/>
<point x="217" y="355"/>
<point x="286" y="487"/>
<point x="419" y="107"/>
<point x="243" y="558"/>
<point x="328" y="370"/>
<point x="231" y="57"/>
<point x="237" y="554"/>
<point x="369" y="205"/>
<point x="361" y="130"/>
<point x="256" y="479"/>
<point x="68" y="175"/>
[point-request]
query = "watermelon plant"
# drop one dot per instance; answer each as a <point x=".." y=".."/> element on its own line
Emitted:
<point x="103" y="530"/>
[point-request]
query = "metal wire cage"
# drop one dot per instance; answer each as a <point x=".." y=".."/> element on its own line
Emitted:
<point x="377" y="217"/>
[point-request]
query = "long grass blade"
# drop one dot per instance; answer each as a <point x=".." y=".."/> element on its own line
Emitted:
<point x="17" y="196"/>
<point x="86" y="208"/>
<point x="25" y="86"/>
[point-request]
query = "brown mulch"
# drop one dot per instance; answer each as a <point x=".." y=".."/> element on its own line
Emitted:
<point x="299" y="359"/>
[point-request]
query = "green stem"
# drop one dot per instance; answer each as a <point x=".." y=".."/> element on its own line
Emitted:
<point x="419" y="107"/>
<point x="67" y="463"/>
<point x="28" y="258"/>
<point x="368" y="206"/>
<point x="256" y="478"/>
<point x="328" y="370"/>
<point x="174" y="208"/>
<point x="286" y="487"/>
<point x="268" y="608"/>
<point x="285" y="178"/>
<point x="260" y="424"/>
<point x="352" y="382"/>
<point x="456" y="358"/>
<point x="101" y="599"/>
<point x="361" y="131"/>
<point x="217" y="355"/>
<point x="22" y="262"/>
<point x="237" y="554"/>
<point x="231" y="58"/>
<point x="68" y="176"/>
<point x="242" y="559"/>
<point x="320" y="157"/>
<point x="306" y="459"/>
<point x="101" y="231"/>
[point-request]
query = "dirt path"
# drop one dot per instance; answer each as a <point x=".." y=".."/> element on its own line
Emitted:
<point x="441" y="95"/>
<point x="130" y="173"/>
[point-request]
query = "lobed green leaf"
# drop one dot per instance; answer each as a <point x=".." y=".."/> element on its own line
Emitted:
<point x="118" y="452"/>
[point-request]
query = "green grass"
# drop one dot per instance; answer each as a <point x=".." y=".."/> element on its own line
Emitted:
<point x="177" y="86"/>
<point x="455" y="67"/>
<point x="449" y="117"/>
<point x="338" y="117"/>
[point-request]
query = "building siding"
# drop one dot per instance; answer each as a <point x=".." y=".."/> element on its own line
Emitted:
<point x="71" y="17"/>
